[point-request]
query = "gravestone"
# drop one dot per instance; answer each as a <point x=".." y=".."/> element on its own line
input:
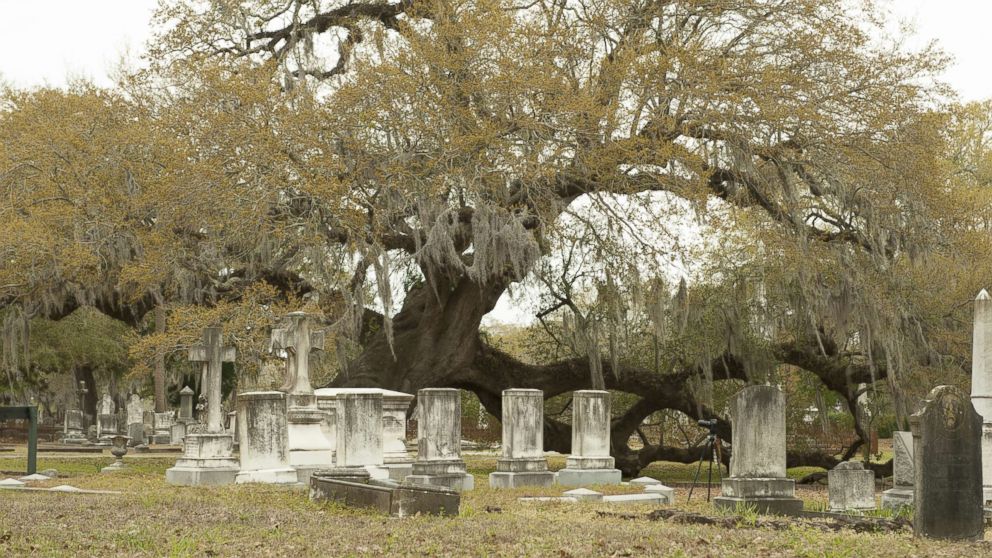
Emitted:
<point x="851" y="487"/>
<point x="522" y="461"/>
<point x="439" y="453"/>
<point x="163" y="427"/>
<point x="903" y="472"/>
<point x="106" y="418"/>
<point x="135" y="420"/>
<point x="184" y="421"/>
<point x="590" y="461"/>
<point x="757" y="464"/>
<point x="72" y="432"/>
<point x="395" y="404"/>
<point x="981" y="384"/>
<point x="208" y="457"/>
<point x="309" y="447"/>
<point x="947" y="440"/>
<point x="263" y="439"/>
<point x="359" y="436"/>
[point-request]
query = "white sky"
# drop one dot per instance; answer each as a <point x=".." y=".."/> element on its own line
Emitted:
<point x="49" y="42"/>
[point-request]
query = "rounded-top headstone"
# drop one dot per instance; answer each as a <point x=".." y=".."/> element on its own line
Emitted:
<point x="947" y="438"/>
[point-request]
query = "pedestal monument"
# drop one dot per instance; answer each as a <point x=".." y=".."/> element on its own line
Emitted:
<point x="208" y="456"/>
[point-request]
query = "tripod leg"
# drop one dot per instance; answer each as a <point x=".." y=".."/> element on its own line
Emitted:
<point x="709" y="474"/>
<point x="695" y="479"/>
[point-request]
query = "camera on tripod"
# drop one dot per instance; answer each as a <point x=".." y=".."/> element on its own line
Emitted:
<point x="712" y="449"/>
<point x="711" y="423"/>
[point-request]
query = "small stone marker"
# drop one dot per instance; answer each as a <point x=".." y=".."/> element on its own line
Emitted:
<point x="73" y="430"/>
<point x="667" y="492"/>
<point x="903" y="472"/>
<point x="646" y="498"/>
<point x="439" y="429"/>
<point x="35" y="477"/>
<point x="981" y="384"/>
<point x="11" y="483"/>
<point x="64" y="488"/>
<point x="757" y="464"/>
<point x="309" y="447"/>
<point x="584" y="495"/>
<point x="851" y="487"/>
<point x="208" y="457"/>
<point x="590" y="461"/>
<point x="398" y="501"/>
<point x="554" y="499"/>
<point x="263" y="439"/>
<point x="644" y="481"/>
<point x="947" y="436"/>
<point x="522" y="462"/>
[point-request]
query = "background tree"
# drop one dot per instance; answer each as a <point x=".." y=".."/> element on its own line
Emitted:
<point x="421" y="158"/>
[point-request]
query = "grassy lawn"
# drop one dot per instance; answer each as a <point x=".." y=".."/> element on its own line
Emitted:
<point x="151" y="518"/>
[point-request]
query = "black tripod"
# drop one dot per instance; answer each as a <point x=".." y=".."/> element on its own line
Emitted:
<point x="712" y="447"/>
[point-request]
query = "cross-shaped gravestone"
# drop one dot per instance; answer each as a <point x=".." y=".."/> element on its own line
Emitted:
<point x="213" y="355"/>
<point x="298" y="341"/>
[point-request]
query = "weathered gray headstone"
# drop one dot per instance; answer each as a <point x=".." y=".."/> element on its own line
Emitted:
<point x="947" y="437"/>
<point x="522" y="462"/>
<point x="73" y="430"/>
<point x="135" y="420"/>
<point x="208" y="457"/>
<point x="590" y="461"/>
<point x="263" y="439"/>
<point x="439" y="428"/>
<point x="851" y="487"/>
<point x="309" y="447"/>
<point x="395" y="405"/>
<point x="186" y="404"/>
<point x="981" y="384"/>
<point x="757" y="464"/>
<point x="359" y="436"/>
<point x="903" y="472"/>
<point x="163" y="427"/>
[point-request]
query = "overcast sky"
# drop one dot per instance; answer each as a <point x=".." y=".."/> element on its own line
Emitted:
<point x="50" y="41"/>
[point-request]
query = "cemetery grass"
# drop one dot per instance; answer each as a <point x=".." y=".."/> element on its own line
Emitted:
<point x="151" y="518"/>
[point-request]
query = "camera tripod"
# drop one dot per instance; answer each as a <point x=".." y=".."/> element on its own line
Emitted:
<point x="712" y="447"/>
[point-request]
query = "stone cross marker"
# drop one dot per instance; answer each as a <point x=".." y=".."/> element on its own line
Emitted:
<point x="981" y="384"/>
<point x="213" y="355"/>
<point x="309" y="447"/>
<point x="298" y="342"/>
<point x="947" y="436"/>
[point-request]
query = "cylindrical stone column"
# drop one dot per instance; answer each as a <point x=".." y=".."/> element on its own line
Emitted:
<point x="439" y="424"/>
<point x="591" y="423"/>
<point x="758" y="418"/>
<point x="359" y="429"/>
<point x="523" y="424"/>
<point x="264" y="438"/>
<point x="981" y="383"/>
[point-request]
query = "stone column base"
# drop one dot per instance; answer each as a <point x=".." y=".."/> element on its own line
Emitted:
<point x="895" y="498"/>
<point x="219" y="472"/>
<point x="113" y="467"/>
<point x="208" y="460"/>
<point x="506" y="479"/>
<point x="267" y="476"/>
<point x="459" y="482"/>
<point x="767" y="495"/>
<point x="587" y="477"/>
<point x="399" y="471"/>
<point x="777" y="506"/>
